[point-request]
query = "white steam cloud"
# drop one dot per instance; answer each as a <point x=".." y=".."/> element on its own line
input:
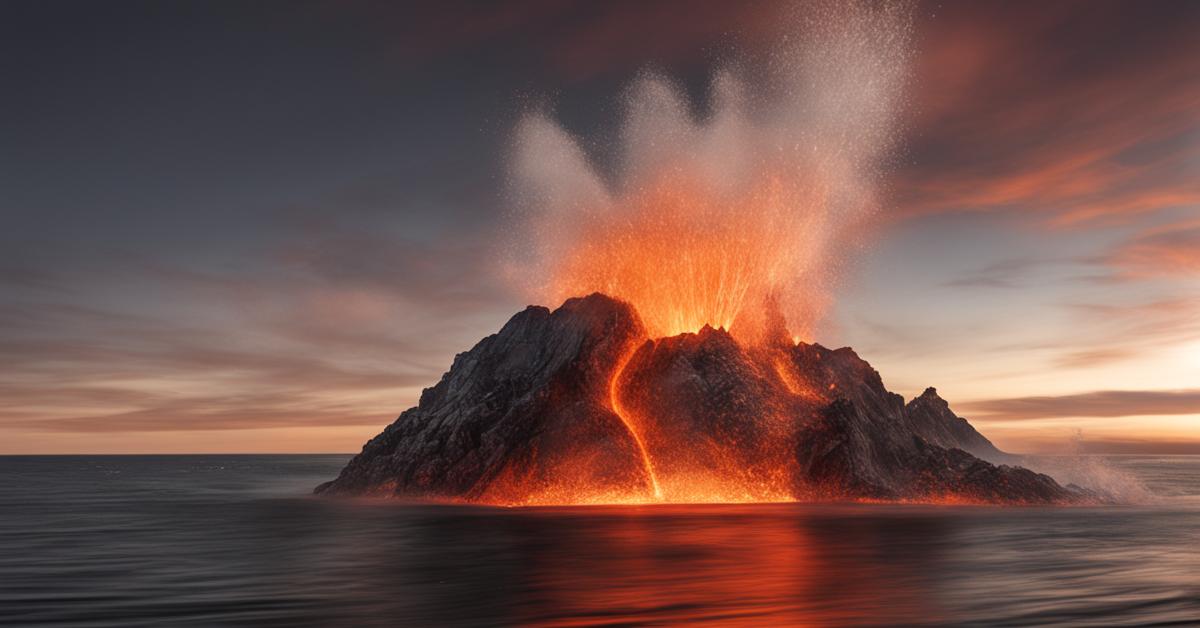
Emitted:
<point x="758" y="198"/>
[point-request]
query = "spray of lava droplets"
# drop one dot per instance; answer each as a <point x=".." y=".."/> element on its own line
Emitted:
<point x="705" y="217"/>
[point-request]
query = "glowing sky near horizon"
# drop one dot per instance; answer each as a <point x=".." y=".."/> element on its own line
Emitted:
<point x="259" y="228"/>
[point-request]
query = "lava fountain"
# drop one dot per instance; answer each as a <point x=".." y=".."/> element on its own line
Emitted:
<point x="669" y="373"/>
<point x="706" y="218"/>
<point x="707" y="215"/>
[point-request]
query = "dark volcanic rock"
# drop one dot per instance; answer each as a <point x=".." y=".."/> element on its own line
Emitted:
<point x="715" y="418"/>
<point x="932" y="419"/>
<point x="849" y="455"/>
<point x="579" y="406"/>
<point x="525" y="411"/>
<point x="867" y="443"/>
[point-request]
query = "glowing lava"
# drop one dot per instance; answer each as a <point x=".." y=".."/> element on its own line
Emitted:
<point x="617" y="409"/>
<point x="687" y="256"/>
<point x="701" y="215"/>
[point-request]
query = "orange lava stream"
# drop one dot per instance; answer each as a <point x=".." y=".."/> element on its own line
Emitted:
<point x="624" y="416"/>
<point x="791" y="380"/>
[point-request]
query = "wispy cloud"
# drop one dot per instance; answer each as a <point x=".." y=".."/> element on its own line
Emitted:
<point x="1171" y="250"/>
<point x="338" y="328"/>
<point x="1103" y="403"/>
<point x="1008" y="273"/>
<point x="1070" y="132"/>
<point x="1112" y="332"/>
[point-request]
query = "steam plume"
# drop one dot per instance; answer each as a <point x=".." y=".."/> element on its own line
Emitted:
<point x="706" y="218"/>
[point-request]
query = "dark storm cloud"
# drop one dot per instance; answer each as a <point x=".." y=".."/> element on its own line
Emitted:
<point x="1103" y="403"/>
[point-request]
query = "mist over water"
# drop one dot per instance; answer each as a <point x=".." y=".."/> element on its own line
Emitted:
<point x="214" y="541"/>
<point x="708" y="215"/>
<point x="1095" y="473"/>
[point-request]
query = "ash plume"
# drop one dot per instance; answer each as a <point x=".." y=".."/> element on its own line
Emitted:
<point x="759" y="199"/>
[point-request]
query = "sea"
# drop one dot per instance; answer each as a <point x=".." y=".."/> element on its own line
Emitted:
<point x="224" y="540"/>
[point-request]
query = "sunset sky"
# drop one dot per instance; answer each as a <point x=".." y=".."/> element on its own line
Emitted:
<point x="265" y="227"/>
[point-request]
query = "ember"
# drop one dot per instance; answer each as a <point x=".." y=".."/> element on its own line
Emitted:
<point x="581" y="406"/>
<point x="705" y="218"/>
<point x="677" y="379"/>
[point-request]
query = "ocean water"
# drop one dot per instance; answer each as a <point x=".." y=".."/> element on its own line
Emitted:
<point x="237" y="541"/>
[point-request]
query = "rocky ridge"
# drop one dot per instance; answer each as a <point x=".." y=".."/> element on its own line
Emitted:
<point x="579" y="406"/>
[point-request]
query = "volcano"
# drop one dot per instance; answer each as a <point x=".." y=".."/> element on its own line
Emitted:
<point x="580" y="406"/>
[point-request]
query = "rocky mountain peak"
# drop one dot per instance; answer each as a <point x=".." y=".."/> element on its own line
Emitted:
<point x="577" y="405"/>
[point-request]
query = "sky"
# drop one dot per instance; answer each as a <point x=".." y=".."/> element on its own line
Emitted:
<point x="265" y="227"/>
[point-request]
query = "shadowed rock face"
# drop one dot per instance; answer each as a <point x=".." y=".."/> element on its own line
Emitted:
<point x="716" y="419"/>
<point x="525" y="411"/>
<point x="933" y="420"/>
<point x="578" y="406"/>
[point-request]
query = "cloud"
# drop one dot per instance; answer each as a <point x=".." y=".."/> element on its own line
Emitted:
<point x="340" y="327"/>
<point x="1088" y="358"/>
<point x="105" y="372"/>
<point x="1027" y="111"/>
<point x="629" y="36"/>
<point x="1105" y="333"/>
<point x="208" y="413"/>
<point x="1002" y="274"/>
<point x="573" y="40"/>
<point x="1173" y="250"/>
<point x="1104" y="403"/>
<point x="1137" y="446"/>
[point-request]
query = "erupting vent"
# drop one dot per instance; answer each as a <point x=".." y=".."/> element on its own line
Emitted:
<point x="580" y="406"/>
<point x="705" y="215"/>
<point x="713" y="235"/>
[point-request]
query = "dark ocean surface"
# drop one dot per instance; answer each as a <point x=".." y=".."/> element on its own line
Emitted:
<point x="237" y="541"/>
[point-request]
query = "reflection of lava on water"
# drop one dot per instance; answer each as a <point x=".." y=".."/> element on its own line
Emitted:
<point x="765" y="566"/>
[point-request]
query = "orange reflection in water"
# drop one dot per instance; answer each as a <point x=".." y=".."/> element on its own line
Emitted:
<point x="737" y="565"/>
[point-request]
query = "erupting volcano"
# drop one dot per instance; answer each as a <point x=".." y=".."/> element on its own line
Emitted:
<point x="707" y="251"/>
<point x="581" y="406"/>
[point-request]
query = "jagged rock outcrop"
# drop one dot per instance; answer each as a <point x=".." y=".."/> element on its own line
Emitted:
<point x="526" y="408"/>
<point x="579" y="406"/>
<point x="716" y="418"/>
<point x="932" y="419"/>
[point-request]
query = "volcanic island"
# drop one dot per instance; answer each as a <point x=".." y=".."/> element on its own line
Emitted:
<point x="579" y="406"/>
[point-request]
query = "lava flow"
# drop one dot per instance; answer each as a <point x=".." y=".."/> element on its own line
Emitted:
<point x="668" y="373"/>
<point x="615" y="403"/>
<point x="554" y="409"/>
<point x="704" y="220"/>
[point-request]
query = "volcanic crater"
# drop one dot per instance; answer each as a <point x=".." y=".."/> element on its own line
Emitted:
<point x="580" y="406"/>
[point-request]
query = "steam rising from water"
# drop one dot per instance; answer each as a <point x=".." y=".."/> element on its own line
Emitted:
<point x="705" y="217"/>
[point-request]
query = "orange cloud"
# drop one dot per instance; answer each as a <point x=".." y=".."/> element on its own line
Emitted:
<point x="1024" y="109"/>
<point x="1165" y="251"/>
<point x="1103" y="403"/>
